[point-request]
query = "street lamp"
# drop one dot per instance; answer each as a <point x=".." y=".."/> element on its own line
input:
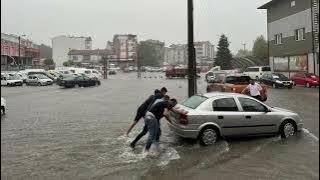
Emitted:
<point x="19" y="37"/>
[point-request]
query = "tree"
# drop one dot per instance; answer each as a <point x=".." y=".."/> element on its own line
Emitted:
<point x="260" y="48"/>
<point x="224" y="56"/>
<point x="151" y="53"/>
<point x="48" y="62"/>
<point x="68" y="63"/>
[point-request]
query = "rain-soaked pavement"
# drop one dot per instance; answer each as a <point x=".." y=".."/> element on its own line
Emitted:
<point x="78" y="133"/>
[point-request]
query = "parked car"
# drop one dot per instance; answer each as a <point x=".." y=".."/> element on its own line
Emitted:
<point x="234" y="83"/>
<point x="39" y="80"/>
<point x="78" y="80"/>
<point x="257" y="71"/>
<point x="211" y="116"/>
<point x="112" y="72"/>
<point x="307" y="79"/>
<point x="3" y="105"/>
<point x="11" y="80"/>
<point x="214" y="77"/>
<point x="276" y="80"/>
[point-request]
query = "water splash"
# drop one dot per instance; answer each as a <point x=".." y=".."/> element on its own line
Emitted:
<point x="310" y="134"/>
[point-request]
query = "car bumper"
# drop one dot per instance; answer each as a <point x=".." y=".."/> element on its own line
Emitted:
<point x="186" y="133"/>
<point x="285" y="85"/>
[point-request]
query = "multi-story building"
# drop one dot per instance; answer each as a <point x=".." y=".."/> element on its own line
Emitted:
<point x="157" y="52"/>
<point x="124" y="49"/>
<point x="10" y="58"/>
<point x="61" y="45"/>
<point x="176" y="54"/>
<point x="205" y="52"/>
<point x="293" y="35"/>
<point x="88" y="56"/>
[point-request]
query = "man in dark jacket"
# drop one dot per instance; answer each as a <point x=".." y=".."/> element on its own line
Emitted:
<point x="143" y="108"/>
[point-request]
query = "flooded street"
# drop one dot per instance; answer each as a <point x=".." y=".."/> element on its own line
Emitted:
<point x="78" y="133"/>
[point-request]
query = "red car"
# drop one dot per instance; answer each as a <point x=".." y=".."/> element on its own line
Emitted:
<point x="306" y="79"/>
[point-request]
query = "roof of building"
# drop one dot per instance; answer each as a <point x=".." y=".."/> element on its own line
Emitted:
<point x="268" y="4"/>
<point x="89" y="52"/>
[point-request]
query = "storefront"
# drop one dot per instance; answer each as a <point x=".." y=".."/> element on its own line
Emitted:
<point x="290" y="65"/>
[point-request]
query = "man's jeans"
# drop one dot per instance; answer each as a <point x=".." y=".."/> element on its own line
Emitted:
<point x="144" y="132"/>
<point x="153" y="128"/>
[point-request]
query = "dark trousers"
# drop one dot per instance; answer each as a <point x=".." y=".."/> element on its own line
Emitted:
<point x="257" y="97"/>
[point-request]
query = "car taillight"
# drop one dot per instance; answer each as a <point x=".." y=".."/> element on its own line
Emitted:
<point x="183" y="119"/>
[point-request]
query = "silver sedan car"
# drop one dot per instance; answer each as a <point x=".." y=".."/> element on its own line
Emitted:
<point x="211" y="116"/>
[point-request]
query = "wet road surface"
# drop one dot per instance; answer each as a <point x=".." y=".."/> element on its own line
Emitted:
<point x="78" y="133"/>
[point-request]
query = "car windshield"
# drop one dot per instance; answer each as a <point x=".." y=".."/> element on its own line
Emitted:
<point x="238" y="79"/>
<point x="194" y="101"/>
<point x="279" y="77"/>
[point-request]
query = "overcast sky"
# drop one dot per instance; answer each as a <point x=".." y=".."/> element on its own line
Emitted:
<point x="164" y="20"/>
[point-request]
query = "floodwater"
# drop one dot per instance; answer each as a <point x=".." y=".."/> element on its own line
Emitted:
<point x="78" y="133"/>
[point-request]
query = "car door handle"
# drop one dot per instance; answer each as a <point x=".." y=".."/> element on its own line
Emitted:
<point x="248" y="117"/>
<point x="220" y="117"/>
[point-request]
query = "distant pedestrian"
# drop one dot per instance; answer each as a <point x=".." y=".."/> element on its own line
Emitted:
<point x="141" y="111"/>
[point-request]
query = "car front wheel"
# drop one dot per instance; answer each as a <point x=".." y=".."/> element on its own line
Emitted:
<point x="287" y="129"/>
<point x="308" y="85"/>
<point x="208" y="136"/>
<point x="3" y="110"/>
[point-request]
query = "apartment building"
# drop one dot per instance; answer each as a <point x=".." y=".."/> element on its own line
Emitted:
<point x="293" y="28"/>
<point x="61" y="45"/>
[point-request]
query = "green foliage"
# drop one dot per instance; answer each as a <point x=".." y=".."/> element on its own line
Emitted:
<point x="224" y="56"/>
<point x="260" y="48"/>
<point x="48" y="62"/>
<point x="68" y="63"/>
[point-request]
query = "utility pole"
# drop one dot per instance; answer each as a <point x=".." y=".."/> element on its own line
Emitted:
<point x="19" y="51"/>
<point x="105" y="65"/>
<point x="192" y="70"/>
<point x="244" y="49"/>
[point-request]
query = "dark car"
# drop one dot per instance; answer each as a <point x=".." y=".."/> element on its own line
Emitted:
<point x="276" y="80"/>
<point x="81" y="81"/>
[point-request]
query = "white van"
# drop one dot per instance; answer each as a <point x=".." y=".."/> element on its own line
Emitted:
<point x="256" y="72"/>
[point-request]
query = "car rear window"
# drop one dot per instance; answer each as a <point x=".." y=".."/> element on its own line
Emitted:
<point x="266" y="69"/>
<point x="194" y="101"/>
<point x="238" y="79"/>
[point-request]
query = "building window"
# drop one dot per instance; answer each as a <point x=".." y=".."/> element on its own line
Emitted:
<point x="293" y="3"/>
<point x="299" y="34"/>
<point x="74" y="58"/>
<point x="278" y="39"/>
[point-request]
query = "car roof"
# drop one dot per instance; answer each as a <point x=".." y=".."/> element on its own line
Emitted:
<point x="217" y="94"/>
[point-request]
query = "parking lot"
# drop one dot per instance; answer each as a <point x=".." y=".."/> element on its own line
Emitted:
<point x="78" y="133"/>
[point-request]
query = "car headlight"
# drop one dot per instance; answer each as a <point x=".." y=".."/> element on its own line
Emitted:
<point x="279" y="82"/>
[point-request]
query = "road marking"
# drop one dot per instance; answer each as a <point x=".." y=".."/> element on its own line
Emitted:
<point x="310" y="134"/>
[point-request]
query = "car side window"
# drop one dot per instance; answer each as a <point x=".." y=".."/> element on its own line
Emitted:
<point x="225" y="104"/>
<point x="249" y="105"/>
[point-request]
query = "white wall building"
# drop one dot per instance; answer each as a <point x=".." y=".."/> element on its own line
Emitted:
<point x="178" y="53"/>
<point x="205" y="52"/>
<point x="61" y="45"/>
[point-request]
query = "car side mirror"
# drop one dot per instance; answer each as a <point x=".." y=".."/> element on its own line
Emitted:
<point x="267" y="110"/>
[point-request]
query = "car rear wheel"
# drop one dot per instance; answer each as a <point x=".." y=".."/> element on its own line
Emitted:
<point x="39" y="83"/>
<point x="208" y="136"/>
<point x="287" y="129"/>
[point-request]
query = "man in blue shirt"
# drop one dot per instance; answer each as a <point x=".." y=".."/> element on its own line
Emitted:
<point x="145" y="106"/>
